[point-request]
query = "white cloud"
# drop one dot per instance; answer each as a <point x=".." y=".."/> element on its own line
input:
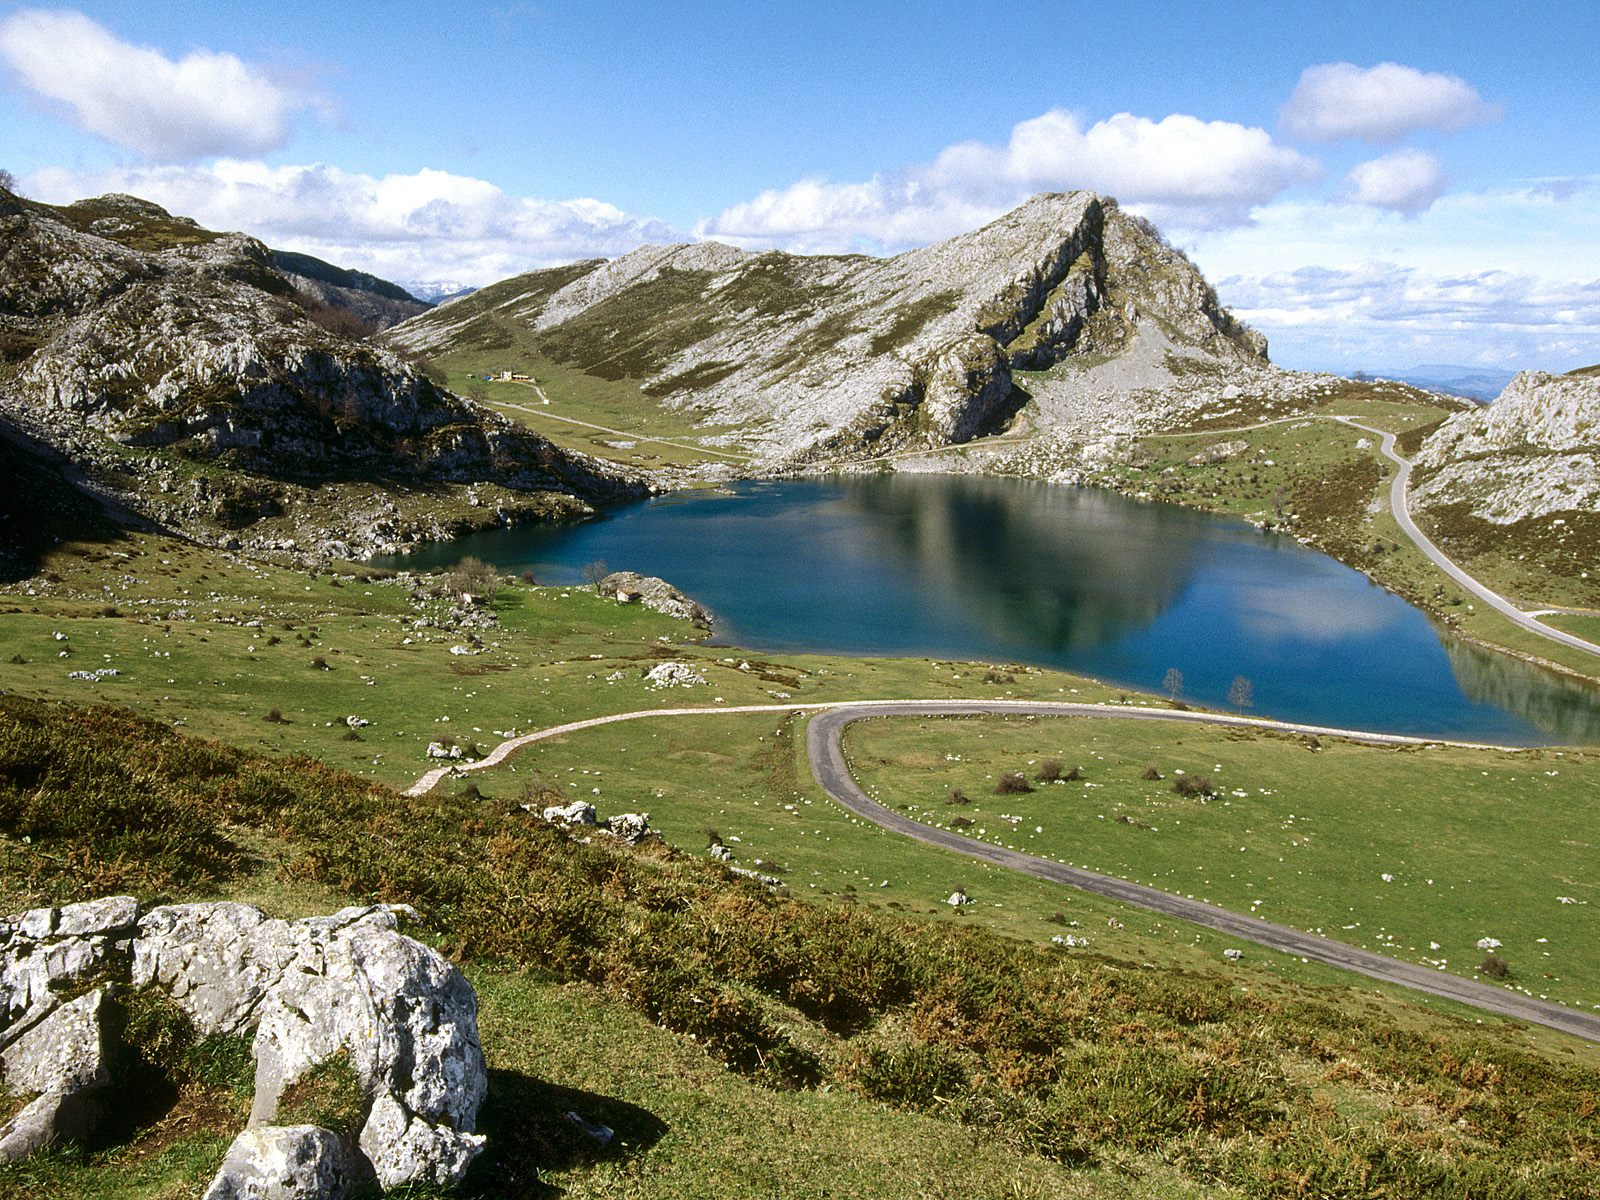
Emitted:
<point x="201" y="105"/>
<point x="1503" y="277"/>
<point x="1379" y="314"/>
<point x="1408" y="181"/>
<point x="426" y="226"/>
<point x="1179" y="170"/>
<point x="1337" y="102"/>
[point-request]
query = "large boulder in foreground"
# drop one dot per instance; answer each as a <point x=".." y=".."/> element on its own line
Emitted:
<point x="347" y="989"/>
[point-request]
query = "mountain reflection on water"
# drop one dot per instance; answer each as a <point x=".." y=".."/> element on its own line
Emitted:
<point x="1567" y="710"/>
<point x="975" y="567"/>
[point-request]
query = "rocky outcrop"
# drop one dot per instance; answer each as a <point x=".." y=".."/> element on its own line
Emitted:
<point x="629" y="587"/>
<point x="285" y="1162"/>
<point x="1533" y="453"/>
<point x="813" y="356"/>
<point x="153" y="353"/>
<point x="348" y="988"/>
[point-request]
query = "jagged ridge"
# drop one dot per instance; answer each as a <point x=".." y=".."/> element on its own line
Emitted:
<point x="808" y="354"/>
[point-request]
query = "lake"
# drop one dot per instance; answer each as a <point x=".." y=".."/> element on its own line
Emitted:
<point x="1005" y="570"/>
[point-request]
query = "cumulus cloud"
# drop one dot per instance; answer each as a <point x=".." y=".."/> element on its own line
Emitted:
<point x="1407" y="181"/>
<point x="1385" y="315"/>
<point x="201" y="105"/>
<point x="1337" y="102"/>
<point x="1179" y="170"/>
<point x="427" y="226"/>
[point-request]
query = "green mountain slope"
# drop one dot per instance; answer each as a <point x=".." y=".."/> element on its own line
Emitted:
<point x="813" y="356"/>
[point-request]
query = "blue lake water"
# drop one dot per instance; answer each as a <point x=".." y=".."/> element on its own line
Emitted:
<point x="1085" y="580"/>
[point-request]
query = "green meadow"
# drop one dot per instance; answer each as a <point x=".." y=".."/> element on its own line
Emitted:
<point x="1412" y="852"/>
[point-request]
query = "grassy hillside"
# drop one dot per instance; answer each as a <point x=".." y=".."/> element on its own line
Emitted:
<point x="768" y="1046"/>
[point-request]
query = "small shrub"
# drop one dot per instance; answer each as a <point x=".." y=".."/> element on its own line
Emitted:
<point x="1012" y="783"/>
<point x="994" y="675"/>
<point x="713" y="838"/>
<point x="1151" y="772"/>
<point x="320" y="662"/>
<point x="18" y="660"/>
<point x="1494" y="966"/>
<point x="275" y="716"/>
<point x="957" y="796"/>
<point x="962" y="823"/>
<point x="1194" y="786"/>
<point x="474" y="577"/>
<point x="916" y="1075"/>
<point x="274" y="640"/>
<point x="1073" y="775"/>
<point x="1049" y="770"/>
<point x="350" y="735"/>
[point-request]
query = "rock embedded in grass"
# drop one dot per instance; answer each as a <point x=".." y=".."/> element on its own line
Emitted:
<point x="347" y="988"/>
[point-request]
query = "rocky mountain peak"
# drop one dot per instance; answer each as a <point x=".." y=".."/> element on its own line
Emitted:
<point x="811" y="354"/>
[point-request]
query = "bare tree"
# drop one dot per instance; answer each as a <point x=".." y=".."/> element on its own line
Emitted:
<point x="474" y="577"/>
<point x="594" y="572"/>
<point x="8" y="181"/>
<point x="1172" y="683"/>
<point x="1241" y="693"/>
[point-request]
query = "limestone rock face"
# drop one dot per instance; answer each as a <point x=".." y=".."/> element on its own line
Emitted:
<point x="46" y="950"/>
<point x="285" y="1162"/>
<point x="63" y="1059"/>
<point x="125" y="329"/>
<point x="349" y="985"/>
<point x="810" y="356"/>
<point x="968" y="383"/>
<point x="1534" y="452"/>
<point x="408" y="1021"/>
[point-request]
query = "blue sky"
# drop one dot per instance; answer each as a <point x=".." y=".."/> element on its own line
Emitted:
<point x="1372" y="185"/>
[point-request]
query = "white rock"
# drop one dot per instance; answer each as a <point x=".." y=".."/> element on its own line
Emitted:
<point x="63" y="1058"/>
<point x="630" y="827"/>
<point x="285" y="1162"/>
<point x="673" y="674"/>
<point x="579" y="812"/>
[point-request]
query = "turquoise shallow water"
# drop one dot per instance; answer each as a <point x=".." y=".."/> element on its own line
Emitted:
<point x="1086" y="580"/>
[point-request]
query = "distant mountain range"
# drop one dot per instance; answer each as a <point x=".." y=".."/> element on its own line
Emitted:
<point x="1471" y="383"/>
<point x="438" y="291"/>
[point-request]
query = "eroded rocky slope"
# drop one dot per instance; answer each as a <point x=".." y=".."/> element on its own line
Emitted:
<point x="1521" y="478"/>
<point x="1533" y="452"/>
<point x="184" y="374"/>
<point x="821" y="357"/>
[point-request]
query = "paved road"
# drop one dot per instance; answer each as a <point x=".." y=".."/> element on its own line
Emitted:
<point x="826" y="753"/>
<point x="1402" y="515"/>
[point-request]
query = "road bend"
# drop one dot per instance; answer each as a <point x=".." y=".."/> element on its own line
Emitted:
<point x="824" y="748"/>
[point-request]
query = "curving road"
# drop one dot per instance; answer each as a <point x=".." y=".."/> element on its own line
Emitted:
<point x="825" y="753"/>
<point x="1402" y="516"/>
